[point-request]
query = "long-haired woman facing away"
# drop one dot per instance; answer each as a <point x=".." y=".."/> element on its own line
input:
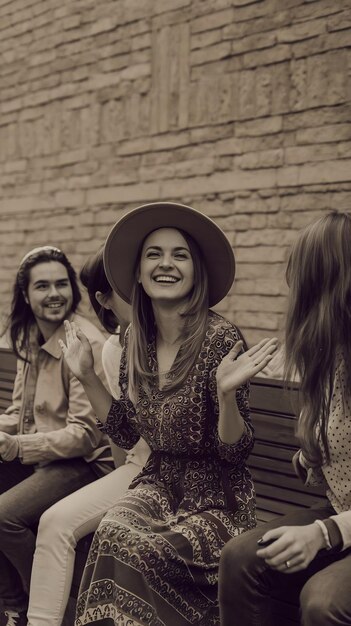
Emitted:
<point x="311" y="549"/>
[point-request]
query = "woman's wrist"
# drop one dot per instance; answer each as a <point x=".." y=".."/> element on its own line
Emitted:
<point x="226" y="397"/>
<point x="334" y="533"/>
<point x="89" y="378"/>
<point x="324" y="533"/>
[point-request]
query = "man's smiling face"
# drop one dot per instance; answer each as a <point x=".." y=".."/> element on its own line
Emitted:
<point x="49" y="293"/>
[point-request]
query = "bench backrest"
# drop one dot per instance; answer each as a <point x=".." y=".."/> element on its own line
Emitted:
<point x="7" y="377"/>
<point x="273" y="414"/>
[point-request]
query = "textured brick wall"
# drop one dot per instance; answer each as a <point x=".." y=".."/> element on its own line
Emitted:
<point x="239" y="107"/>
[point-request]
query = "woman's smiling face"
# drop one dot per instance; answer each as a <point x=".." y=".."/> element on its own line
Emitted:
<point x="166" y="269"/>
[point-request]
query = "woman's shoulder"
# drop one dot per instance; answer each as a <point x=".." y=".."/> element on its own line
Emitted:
<point x="112" y="345"/>
<point x="221" y="334"/>
<point x="217" y="325"/>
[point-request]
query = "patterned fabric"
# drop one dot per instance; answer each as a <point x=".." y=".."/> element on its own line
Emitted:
<point x="335" y="475"/>
<point x="337" y="472"/>
<point x="154" y="558"/>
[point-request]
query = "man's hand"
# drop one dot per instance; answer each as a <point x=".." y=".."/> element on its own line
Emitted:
<point x="9" y="447"/>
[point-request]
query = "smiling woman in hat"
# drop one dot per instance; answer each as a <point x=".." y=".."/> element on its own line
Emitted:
<point x="183" y="379"/>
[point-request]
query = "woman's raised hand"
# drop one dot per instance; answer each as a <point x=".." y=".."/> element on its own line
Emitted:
<point x="78" y="353"/>
<point x="235" y="370"/>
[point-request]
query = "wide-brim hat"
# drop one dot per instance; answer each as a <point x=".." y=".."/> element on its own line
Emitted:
<point x="124" y="242"/>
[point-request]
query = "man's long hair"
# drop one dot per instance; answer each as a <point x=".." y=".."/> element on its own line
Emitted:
<point x="21" y="318"/>
<point x="318" y="329"/>
<point x="143" y="331"/>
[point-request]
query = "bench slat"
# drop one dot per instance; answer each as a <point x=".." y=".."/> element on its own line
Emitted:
<point x="276" y="478"/>
<point x="283" y="494"/>
<point x="8" y="369"/>
<point x="271" y="463"/>
<point x="275" y="429"/>
<point x="277" y="452"/>
<point x="269" y="394"/>
<point x="278" y="507"/>
<point x="7" y="359"/>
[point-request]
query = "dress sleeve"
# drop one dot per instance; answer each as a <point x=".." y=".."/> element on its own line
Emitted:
<point x="343" y="522"/>
<point x="119" y="426"/>
<point x="238" y="452"/>
<point x="312" y="476"/>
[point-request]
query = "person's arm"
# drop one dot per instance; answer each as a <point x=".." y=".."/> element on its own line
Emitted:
<point x="309" y="475"/>
<point x="113" y="414"/>
<point x="79" y="357"/>
<point x="291" y="548"/>
<point x="230" y="403"/>
<point x="343" y="523"/>
<point x="98" y="396"/>
<point x="234" y="371"/>
<point x="75" y="435"/>
<point x="71" y="433"/>
<point x="79" y="436"/>
<point x="111" y="361"/>
<point x="337" y="527"/>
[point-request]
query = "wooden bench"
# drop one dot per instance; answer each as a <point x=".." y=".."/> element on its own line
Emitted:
<point x="7" y="377"/>
<point x="278" y="490"/>
<point x="273" y="414"/>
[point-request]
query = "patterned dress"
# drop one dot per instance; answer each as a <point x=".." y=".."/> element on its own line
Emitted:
<point x="154" y="558"/>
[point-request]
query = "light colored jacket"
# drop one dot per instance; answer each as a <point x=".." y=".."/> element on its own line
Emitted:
<point x="61" y="424"/>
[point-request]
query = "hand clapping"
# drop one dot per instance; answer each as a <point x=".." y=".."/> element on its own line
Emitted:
<point x="77" y="353"/>
<point x="235" y="370"/>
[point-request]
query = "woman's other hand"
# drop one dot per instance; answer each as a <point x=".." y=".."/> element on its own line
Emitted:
<point x="235" y="370"/>
<point x="77" y="351"/>
<point x="293" y="547"/>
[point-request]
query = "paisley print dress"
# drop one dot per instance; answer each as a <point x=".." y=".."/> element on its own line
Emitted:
<point x="154" y="558"/>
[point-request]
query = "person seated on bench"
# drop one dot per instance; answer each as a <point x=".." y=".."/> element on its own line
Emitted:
<point x="49" y="442"/>
<point x="310" y="555"/>
<point x="154" y="558"/>
<point x="72" y="518"/>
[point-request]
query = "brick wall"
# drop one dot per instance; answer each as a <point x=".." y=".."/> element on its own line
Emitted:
<point x="239" y="107"/>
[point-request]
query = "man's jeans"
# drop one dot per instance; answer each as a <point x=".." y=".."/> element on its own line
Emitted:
<point x="246" y="583"/>
<point x="26" y="492"/>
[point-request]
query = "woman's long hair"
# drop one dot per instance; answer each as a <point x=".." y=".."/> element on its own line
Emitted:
<point x="143" y="330"/>
<point x="21" y="318"/>
<point x="318" y="329"/>
<point x="93" y="277"/>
